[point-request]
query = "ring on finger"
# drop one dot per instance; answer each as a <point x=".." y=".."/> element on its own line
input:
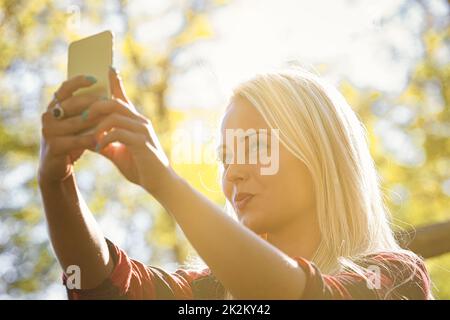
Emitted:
<point x="57" y="110"/>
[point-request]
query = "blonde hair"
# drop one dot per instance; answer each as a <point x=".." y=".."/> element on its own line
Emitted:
<point x="318" y="126"/>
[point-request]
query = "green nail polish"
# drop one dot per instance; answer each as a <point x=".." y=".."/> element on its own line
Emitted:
<point x="91" y="79"/>
<point x="97" y="147"/>
<point x="84" y="114"/>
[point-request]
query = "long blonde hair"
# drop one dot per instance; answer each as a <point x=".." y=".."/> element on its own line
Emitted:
<point x="317" y="125"/>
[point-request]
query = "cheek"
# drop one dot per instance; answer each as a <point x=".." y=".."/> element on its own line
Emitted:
<point x="291" y="190"/>
<point x="299" y="189"/>
<point x="274" y="191"/>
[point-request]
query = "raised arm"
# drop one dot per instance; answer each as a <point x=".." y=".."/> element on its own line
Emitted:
<point x="74" y="233"/>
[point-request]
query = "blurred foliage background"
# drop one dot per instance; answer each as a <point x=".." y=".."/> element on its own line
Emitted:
<point x="178" y="60"/>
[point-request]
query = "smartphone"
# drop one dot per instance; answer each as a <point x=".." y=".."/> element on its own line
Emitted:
<point x="92" y="56"/>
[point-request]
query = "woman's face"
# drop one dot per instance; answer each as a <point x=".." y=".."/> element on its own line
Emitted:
<point x="275" y="200"/>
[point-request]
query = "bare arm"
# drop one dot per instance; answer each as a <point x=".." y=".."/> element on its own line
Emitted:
<point x="248" y="266"/>
<point x="74" y="233"/>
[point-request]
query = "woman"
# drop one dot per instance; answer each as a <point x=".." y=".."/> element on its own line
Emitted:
<point x="315" y="229"/>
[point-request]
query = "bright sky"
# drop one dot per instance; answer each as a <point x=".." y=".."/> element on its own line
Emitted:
<point x="353" y="38"/>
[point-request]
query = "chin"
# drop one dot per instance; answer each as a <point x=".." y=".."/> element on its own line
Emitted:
<point x="253" y="223"/>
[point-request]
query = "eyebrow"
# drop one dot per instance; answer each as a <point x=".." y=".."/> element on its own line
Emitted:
<point x="222" y="146"/>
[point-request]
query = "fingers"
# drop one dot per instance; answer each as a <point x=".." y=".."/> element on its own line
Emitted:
<point x="104" y="107"/>
<point x="116" y="84"/>
<point x="75" y="105"/>
<point x="67" y="126"/>
<point x="72" y="124"/>
<point x="68" y="87"/>
<point x="117" y="120"/>
<point x="99" y="110"/>
<point x="64" y="144"/>
<point x="128" y="138"/>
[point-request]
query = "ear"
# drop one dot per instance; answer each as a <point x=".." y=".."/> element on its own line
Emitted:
<point x="116" y="85"/>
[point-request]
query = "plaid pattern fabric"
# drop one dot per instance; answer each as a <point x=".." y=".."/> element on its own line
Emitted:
<point x="130" y="279"/>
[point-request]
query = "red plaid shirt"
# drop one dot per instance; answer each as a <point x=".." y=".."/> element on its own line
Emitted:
<point x="400" y="278"/>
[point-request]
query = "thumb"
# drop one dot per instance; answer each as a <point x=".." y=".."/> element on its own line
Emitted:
<point x="116" y="85"/>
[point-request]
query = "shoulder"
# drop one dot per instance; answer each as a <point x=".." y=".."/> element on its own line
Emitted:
<point x="203" y="283"/>
<point x="397" y="263"/>
<point x="403" y="275"/>
<point x="381" y="275"/>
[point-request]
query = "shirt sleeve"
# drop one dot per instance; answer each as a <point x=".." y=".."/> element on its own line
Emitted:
<point x="399" y="277"/>
<point x="131" y="279"/>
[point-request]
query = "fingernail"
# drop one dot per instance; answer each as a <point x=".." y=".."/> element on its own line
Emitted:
<point x="91" y="79"/>
<point x="84" y="114"/>
<point x="97" y="147"/>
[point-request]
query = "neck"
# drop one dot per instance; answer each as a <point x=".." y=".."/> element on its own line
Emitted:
<point x="299" y="238"/>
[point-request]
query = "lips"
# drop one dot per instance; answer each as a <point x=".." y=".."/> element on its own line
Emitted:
<point x="241" y="199"/>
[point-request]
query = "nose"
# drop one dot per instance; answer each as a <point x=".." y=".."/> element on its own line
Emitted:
<point x="236" y="172"/>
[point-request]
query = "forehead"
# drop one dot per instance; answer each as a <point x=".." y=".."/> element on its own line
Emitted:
<point x="241" y="114"/>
